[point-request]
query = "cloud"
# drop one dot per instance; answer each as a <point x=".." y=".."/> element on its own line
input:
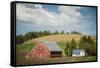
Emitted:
<point x="66" y="18"/>
<point x="38" y="6"/>
<point x="36" y="15"/>
<point x="39" y="15"/>
<point x="70" y="11"/>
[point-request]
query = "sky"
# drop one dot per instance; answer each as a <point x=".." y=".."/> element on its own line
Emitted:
<point x="40" y="17"/>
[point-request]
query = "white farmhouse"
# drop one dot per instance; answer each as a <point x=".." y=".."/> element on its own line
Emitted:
<point x="78" y="52"/>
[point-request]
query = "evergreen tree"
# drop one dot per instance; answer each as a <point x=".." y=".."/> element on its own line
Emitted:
<point x="67" y="48"/>
<point x="73" y="43"/>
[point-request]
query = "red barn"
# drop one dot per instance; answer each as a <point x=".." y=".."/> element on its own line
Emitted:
<point x="45" y="50"/>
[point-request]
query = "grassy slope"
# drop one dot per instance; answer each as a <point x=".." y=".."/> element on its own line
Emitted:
<point x="61" y="39"/>
<point x="25" y="46"/>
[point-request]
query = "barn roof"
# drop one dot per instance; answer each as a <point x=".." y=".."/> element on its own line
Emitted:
<point x="52" y="46"/>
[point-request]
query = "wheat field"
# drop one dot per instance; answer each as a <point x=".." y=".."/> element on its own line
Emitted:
<point x="58" y="38"/>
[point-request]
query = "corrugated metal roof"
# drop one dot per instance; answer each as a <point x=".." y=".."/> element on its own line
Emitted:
<point x="52" y="46"/>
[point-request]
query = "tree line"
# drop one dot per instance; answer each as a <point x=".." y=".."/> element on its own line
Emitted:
<point x="86" y="43"/>
<point x="30" y="35"/>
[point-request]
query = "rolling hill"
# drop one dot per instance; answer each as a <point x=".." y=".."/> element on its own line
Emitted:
<point x="60" y="38"/>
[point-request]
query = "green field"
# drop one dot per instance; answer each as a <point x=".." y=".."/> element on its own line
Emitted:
<point x="62" y="45"/>
<point x="25" y="47"/>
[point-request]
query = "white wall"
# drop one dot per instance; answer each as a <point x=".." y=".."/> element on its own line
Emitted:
<point x="5" y="34"/>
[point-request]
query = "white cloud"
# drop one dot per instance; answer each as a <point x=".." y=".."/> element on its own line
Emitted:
<point x="69" y="10"/>
<point x="38" y="6"/>
<point x="36" y="15"/>
<point x="67" y="18"/>
<point x="67" y="15"/>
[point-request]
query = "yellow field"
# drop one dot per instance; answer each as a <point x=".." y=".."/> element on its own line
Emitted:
<point x="58" y="38"/>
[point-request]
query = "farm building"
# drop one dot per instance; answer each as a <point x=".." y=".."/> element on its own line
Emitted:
<point x="78" y="52"/>
<point x="45" y="50"/>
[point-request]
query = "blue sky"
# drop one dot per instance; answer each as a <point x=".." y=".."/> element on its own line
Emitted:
<point x="38" y="17"/>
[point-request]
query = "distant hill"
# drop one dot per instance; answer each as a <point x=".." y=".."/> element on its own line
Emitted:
<point x="59" y="38"/>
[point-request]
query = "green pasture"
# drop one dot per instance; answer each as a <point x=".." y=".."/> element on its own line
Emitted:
<point x="25" y="46"/>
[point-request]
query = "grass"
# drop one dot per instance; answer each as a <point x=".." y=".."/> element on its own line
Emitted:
<point x="62" y="45"/>
<point x="22" y="61"/>
<point x="60" y="37"/>
<point x="25" y="47"/>
<point x="83" y="58"/>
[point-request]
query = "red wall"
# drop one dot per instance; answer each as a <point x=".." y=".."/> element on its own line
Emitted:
<point x="40" y="51"/>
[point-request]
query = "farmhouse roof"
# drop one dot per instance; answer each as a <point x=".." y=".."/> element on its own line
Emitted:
<point x="52" y="46"/>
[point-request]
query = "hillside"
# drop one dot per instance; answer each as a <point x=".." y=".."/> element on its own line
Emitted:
<point x="59" y="38"/>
